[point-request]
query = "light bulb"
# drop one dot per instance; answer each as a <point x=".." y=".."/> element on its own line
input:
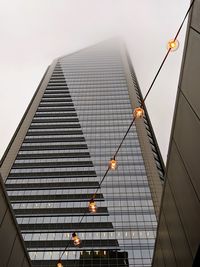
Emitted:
<point x="138" y="112"/>
<point x="92" y="206"/>
<point x="59" y="264"/>
<point x="76" y="239"/>
<point x="173" y="45"/>
<point x="113" y="164"/>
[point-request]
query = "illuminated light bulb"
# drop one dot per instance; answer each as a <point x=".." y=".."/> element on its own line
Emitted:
<point x="113" y="164"/>
<point x="92" y="206"/>
<point x="173" y="45"/>
<point x="138" y="112"/>
<point x="59" y="264"/>
<point x="76" y="239"/>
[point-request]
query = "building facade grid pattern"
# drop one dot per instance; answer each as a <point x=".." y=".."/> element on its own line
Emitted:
<point x="80" y="121"/>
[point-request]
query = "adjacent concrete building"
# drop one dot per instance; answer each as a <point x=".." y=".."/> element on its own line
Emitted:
<point x="178" y="242"/>
<point x="13" y="252"/>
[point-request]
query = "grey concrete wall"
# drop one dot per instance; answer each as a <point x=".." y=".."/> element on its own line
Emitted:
<point x="179" y="227"/>
<point x="12" y="249"/>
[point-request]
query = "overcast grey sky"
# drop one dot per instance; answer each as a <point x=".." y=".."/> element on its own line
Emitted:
<point x="34" y="32"/>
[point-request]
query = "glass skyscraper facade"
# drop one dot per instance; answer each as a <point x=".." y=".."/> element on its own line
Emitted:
<point x="85" y="107"/>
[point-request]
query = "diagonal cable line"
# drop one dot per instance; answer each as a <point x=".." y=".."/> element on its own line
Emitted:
<point x="162" y="63"/>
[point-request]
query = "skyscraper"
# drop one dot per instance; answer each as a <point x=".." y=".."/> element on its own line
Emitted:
<point x="60" y="152"/>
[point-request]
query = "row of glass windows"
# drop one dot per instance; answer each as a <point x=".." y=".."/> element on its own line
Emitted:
<point x="86" y="113"/>
<point x="123" y="161"/>
<point x="57" y="89"/>
<point x="53" y="169"/>
<point x="90" y="60"/>
<point x="54" y="136"/>
<point x="55" y="151"/>
<point x="87" y="74"/>
<point x="97" y="54"/>
<point x="90" y="118"/>
<point x="99" y="81"/>
<point x="140" y="257"/>
<point x="140" y="187"/>
<point x="71" y="166"/>
<point x="52" y="160"/>
<point x="69" y="113"/>
<point x="63" y="82"/>
<point x="100" y="138"/>
<point x="96" y="123"/>
<point x="93" y="87"/>
<point x="130" y="221"/>
<point x="93" y="104"/>
<point x="107" y="108"/>
<point x="117" y="212"/>
<point x="121" y="90"/>
<point x="90" y="83"/>
<point x="53" y="144"/>
<point x="129" y="166"/>
<point x="75" y="68"/>
<point x="56" y="95"/>
<point x="111" y="59"/>
<point x="87" y="134"/>
<point x="103" y="147"/>
<point x="56" y="101"/>
<point x="67" y="140"/>
<point x="140" y="192"/>
<point x="81" y="175"/>
<point x="67" y="93"/>
<point x="138" y="205"/>
<point x="112" y="179"/>
<point x="97" y="75"/>
<point x="131" y="206"/>
<point x="89" y="69"/>
<point x="68" y="147"/>
<point x="81" y="62"/>
<point x="75" y="60"/>
<point x="67" y="102"/>
<point x="137" y="237"/>
<point x="98" y="132"/>
<point x="63" y="174"/>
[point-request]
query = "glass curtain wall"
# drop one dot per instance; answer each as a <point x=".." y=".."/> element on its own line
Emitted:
<point x="80" y="121"/>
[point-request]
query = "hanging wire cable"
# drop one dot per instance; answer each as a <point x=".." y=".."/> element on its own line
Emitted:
<point x="162" y="63"/>
<point x="65" y="250"/>
<point x="188" y="11"/>
<point x="134" y="117"/>
<point x="124" y="137"/>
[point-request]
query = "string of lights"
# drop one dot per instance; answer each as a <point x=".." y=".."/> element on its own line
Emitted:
<point x="172" y="45"/>
<point x="138" y="113"/>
